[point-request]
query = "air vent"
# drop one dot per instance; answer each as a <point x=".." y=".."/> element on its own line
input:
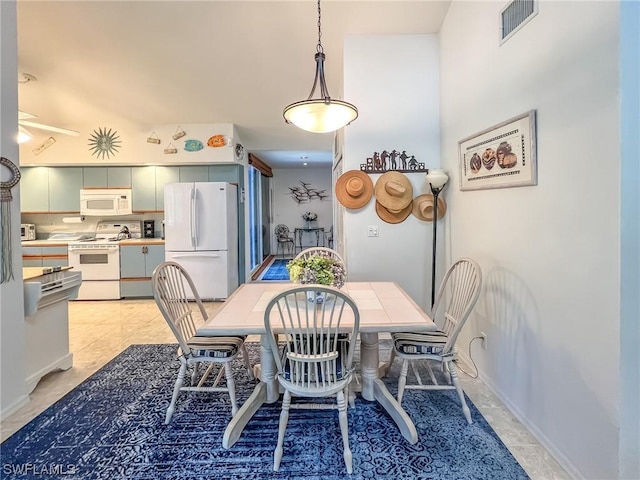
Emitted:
<point x="515" y="15"/>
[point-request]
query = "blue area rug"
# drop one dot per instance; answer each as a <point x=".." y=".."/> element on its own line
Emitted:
<point x="112" y="427"/>
<point x="277" y="270"/>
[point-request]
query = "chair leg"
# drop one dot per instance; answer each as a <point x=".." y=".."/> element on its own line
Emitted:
<point x="284" y="419"/>
<point x="402" y="381"/>
<point x="231" y="386"/>
<point x="344" y="428"/>
<point x="176" y="390"/>
<point x="247" y="364"/>
<point x="454" y="378"/>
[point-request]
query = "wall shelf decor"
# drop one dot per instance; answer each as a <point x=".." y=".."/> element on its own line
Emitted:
<point x="393" y="161"/>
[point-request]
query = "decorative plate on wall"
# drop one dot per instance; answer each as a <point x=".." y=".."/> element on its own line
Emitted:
<point x="217" y="141"/>
<point x="193" y="145"/>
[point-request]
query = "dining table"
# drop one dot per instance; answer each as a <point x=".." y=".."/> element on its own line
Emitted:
<point x="383" y="307"/>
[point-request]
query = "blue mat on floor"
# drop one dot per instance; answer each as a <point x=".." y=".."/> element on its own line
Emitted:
<point x="277" y="270"/>
<point x="112" y="427"/>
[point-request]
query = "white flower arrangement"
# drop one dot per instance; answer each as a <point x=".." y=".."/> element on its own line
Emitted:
<point x="310" y="216"/>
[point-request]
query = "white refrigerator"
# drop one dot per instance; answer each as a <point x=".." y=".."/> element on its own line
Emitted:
<point x="201" y="234"/>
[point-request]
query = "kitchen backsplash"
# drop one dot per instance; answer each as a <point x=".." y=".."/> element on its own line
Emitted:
<point x="47" y="223"/>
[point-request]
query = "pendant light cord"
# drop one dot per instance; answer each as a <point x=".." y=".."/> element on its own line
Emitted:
<point x="319" y="46"/>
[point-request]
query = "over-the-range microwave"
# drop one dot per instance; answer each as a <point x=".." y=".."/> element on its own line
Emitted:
<point x="105" y="202"/>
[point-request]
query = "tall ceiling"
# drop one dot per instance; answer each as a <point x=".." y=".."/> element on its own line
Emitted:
<point x="179" y="62"/>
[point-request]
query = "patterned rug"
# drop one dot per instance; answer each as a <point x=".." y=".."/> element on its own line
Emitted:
<point x="277" y="270"/>
<point x="112" y="427"/>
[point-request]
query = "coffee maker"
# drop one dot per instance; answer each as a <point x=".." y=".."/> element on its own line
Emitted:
<point x="149" y="230"/>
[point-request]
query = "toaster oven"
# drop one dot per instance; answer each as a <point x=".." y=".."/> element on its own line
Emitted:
<point x="27" y="231"/>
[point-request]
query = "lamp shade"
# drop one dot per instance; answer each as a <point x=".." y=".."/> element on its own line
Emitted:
<point x="437" y="178"/>
<point x="320" y="115"/>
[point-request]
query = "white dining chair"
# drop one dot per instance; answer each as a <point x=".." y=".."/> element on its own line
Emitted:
<point x="456" y="298"/>
<point x="172" y="287"/>
<point x="314" y="357"/>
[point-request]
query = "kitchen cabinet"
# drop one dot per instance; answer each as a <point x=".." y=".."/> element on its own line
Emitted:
<point x="165" y="175"/>
<point x="119" y="177"/>
<point x="137" y="263"/>
<point x="45" y="256"/>
<point x="107" y="177"/>
<point x="64" y="189"/>
<point x="194" y="173"/>
<point x="94" y="177"/>
<point x="34" y="189"/>
<point x="143" y="188"/>
<point x="226" y="173"/>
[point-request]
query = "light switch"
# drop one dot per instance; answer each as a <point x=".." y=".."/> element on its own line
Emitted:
<point x="372" y="231"/>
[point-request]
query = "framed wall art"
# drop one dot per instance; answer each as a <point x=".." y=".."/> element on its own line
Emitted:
<point x="501" y="156"/>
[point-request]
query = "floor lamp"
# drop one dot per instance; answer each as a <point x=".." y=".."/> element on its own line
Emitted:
<point x="436" y="179"/>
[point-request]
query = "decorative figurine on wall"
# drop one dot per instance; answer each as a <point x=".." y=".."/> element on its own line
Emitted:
<point x="104" y="143"/>
<point x="394" y="160"/>
<point x="305" y="193"/>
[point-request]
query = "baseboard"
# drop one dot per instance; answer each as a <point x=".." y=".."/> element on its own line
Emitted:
<point x="516" y="412"/>
<point x="14" y="407"/>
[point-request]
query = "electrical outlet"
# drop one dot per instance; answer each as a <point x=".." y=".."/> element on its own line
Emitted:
<point x="372" y="231"/>
<point x="484" y="340"/>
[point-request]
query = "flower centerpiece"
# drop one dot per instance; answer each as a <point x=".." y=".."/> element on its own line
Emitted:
<point x="317" y="268"/>
<point x="309" y="217"/>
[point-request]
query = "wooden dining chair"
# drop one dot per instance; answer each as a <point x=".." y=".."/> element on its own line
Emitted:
<point x="172" y="287"/>
<point x="313" y="358"/>
<point x="456" y="298"/>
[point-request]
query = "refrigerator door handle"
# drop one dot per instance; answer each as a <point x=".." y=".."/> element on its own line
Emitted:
<point x="192" y="214"/>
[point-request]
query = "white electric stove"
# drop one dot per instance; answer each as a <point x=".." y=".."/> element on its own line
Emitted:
<point x="98" y="259"/>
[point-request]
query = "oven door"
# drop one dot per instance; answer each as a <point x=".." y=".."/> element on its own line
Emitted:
<point x="96" y="262"/>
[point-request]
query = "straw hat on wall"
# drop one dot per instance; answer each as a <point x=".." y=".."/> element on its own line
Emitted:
<point x="394" y="191"/>
<point x="393" y="216"/>
<point x="423" y="207"/>
<point x="354" y="189"/>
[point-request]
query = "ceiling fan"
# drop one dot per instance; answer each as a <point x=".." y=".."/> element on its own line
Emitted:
<point x="25" y="119"/>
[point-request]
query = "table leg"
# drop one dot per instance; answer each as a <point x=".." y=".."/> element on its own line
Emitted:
<point x="374" y="389"/>
<point x="267" y="391"/>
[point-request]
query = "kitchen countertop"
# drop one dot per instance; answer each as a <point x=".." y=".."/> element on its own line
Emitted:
<point x="43" y="243"/>
<point x="29" y="273"/>
<point x="132" y="241"/>
<point x="142" y="241"/>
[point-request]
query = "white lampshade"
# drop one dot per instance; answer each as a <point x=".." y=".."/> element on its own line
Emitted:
<point x="437" y="178"/>
<point x="320" y="116"/>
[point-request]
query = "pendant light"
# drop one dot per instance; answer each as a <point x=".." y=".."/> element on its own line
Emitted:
<point x="320" y="115"/>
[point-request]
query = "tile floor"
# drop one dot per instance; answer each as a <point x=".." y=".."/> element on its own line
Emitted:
<point x="100" y="330"/>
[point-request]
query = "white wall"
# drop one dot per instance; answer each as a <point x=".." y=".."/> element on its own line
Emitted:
<point x="550" y="253"/>
<point x="12" y="330"/>
<point x="287" y="211"/>
<point x="393" y="80"/>
<point x="133" y="148"/>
